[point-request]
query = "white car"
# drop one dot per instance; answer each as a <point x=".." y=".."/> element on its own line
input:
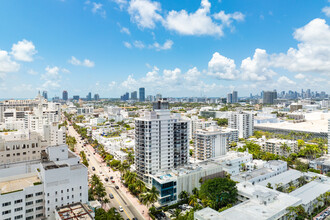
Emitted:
<point x="121" y="209"/>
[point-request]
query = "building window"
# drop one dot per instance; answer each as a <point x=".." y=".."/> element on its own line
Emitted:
<point x="18" y="201"/>
<point x="29" y="210"/>
<point x="6" y="212"/>
<point x="6" y="204"/>
<point x="29" y="203"/>
<point x="39" y="201"/>
<point x="18" y="209"/>
<point x="39" y="208"/>
<point x="38" y="193"/>
<point x="29" y="196"/>
<point x="30" y="217"/>
<point x="39" y="215"/>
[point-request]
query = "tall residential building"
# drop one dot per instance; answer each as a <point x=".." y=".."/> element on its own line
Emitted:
<point x="89" y="97"/>
<point x="96" y="97"/>
<point x="76" y="97"/>
<point x="269" y="97"/>
<point x="210" y="142"/>
<point x="124" y="97"/>
<point x="134" y="95"/>
<point x="243" y="122"/>
<point x="158" y="96"/>
<point x="44" y="94"/>
<point x="232" y="97"/>
<point x="229" y="98"/>
<point x="34" y="189"/>
<point x="65" y="95"/>
<point x="161" y="142"/>
<point x="235" y="97"/>
<point x="142" y="94"/>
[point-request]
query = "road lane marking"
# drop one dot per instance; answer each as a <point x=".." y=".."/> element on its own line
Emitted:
<point x="118" y="202"/>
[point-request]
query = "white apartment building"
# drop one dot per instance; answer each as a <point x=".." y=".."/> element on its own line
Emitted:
<point x="20" y="146"/>
<point x="196" y="124"/>
<point x="243" y="122"/>
<point x="19" y="105"/>
<point x="34" y="189"/>
<point x="86" y="110"/>
<point x="161" y="143"/>
<point x="280" y="147"/>
<point x="210" y="142"/>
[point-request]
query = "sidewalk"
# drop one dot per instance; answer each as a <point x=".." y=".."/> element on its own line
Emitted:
<point x="116" y="174"/>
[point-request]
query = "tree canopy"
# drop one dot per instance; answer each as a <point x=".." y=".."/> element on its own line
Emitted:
<point x="222" y="191"/>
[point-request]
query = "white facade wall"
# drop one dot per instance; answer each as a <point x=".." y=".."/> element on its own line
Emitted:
<point x="243" y="122"/>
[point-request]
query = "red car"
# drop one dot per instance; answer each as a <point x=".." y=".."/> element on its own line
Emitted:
<point x="112" y="181"/>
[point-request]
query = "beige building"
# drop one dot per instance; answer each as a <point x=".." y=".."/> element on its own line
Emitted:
<point x="20" y="146"/>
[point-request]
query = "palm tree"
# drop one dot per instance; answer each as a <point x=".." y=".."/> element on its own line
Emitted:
<point x="193" y="200"/>
<point x="183" y="195"/>
<point x="195" y="191"/>
<point x="145" y="198"/>
<point x="130" y="177"/>
<point x="130" y="157"/>
<point x="140" y="185"/>
<point x="154" y="194"/>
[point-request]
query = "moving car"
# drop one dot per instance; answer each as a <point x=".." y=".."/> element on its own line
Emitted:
<point x="106" y="179"/>
<point x="93" y="168"/>
<point x="121" y="209"/>
<point x="111" y="196"/>
<point x="117" y="187"/>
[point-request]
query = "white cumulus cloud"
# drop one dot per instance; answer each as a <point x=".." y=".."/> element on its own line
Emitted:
<point x="222" y="67"/>
<point x="23" y="50"/>
<point x="196" y="23"/>
<point x="145" y="13"/>
<point x="6" y="64"/>
<point x="85" y="62"/>
<point x="326" y="11"/>
<point x="166" y="46"/>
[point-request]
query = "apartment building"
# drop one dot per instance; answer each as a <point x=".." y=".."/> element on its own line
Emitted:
<point x="36" y="188"/>
<point x="280" y="147"/>
<point x="210" y="142"/>
<point x="243" y="122"/>
<point x="20" y="146"/>
<point x="161" y="142"/>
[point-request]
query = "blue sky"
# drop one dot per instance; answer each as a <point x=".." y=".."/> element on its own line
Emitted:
<point x="176" y="48"/>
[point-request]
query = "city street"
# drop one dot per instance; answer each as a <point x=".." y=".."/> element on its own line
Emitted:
<point x="120" y="195"/>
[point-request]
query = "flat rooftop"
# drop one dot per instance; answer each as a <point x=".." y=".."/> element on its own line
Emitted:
<point x="307" y="126"/>
<point x="75" y="211"/>
<point x="311" y="190"/>
<point x="253" y="209"/>
<point x="251" y="174"/>
<point x="19" y="182"/>
<point x="284" y="178"/>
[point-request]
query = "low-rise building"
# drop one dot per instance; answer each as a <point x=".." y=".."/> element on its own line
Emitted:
<point x="171" y="183"/>
<point x="35" y="188"/>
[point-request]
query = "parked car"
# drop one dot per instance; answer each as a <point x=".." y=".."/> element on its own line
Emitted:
<point x="106" y="179"/>
<point x="93" y="168"/>
<point x="111" y="177"/>
<point x="112" y="181"/>
<point x="117" y="187"/>
<point x="111" y="196"/>
<point x="121" y="209"/>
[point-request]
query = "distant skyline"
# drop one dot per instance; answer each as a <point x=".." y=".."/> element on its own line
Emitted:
<point x="176" y="48"/>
